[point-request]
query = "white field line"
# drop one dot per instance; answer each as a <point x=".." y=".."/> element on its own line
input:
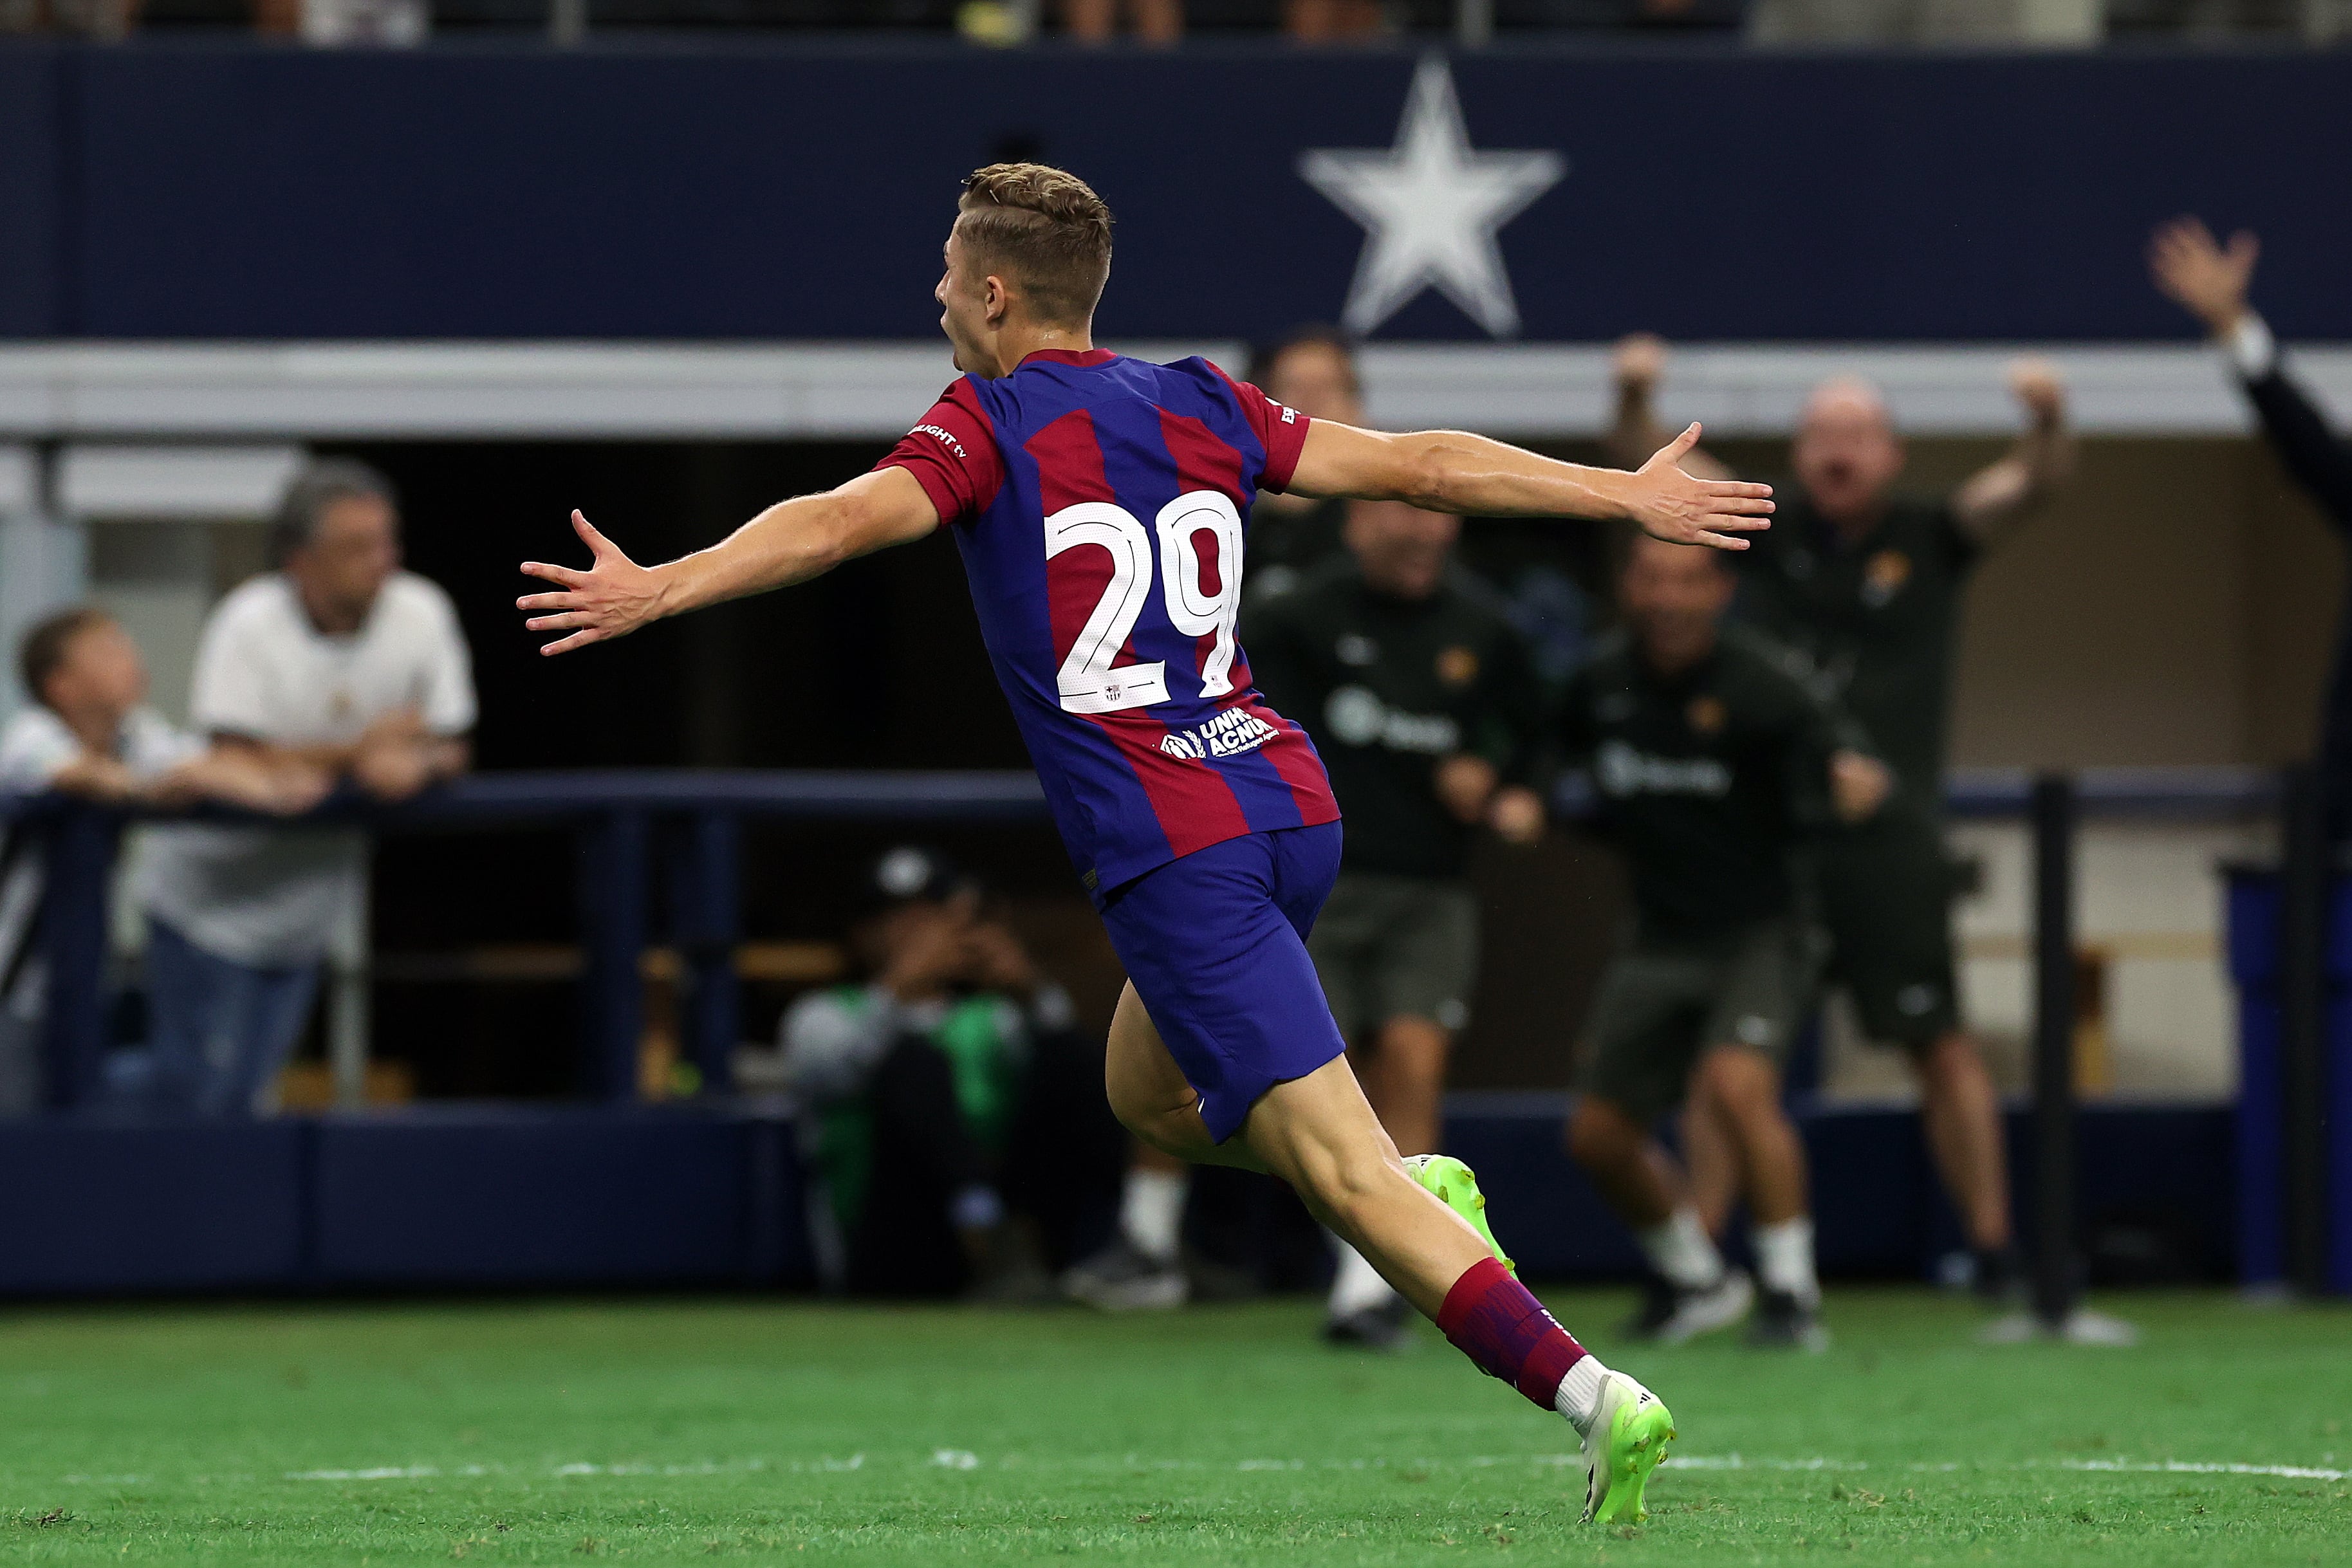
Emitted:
<point x="965" y="1460"/>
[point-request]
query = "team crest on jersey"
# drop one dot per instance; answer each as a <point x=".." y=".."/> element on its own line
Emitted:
<point x="1706" y="715"/>
<point x="1457" y="666"/>
<point x="1230" y="734"/>
<point x="1884" y="576"/>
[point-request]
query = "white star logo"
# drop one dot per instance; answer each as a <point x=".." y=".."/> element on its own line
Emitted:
<point x="1431" y="209"/>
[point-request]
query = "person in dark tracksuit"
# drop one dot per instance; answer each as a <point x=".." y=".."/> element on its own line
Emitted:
<point x="2210" y="281"/>
<point x="1424" y="705"/>
<point x="1866" y="583"/>
<point x="1712" y="760"/>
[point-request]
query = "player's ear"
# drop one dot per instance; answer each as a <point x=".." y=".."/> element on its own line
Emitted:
<point x="996" y="299"/>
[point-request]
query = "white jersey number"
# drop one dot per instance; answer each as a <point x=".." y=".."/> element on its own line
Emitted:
<point x="1089" y="682"/>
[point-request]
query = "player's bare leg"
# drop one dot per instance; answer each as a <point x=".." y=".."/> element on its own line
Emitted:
<point x="1692" y="1293"/>
<point x="1960" y="1112"/>
<point x="1713" y="1166"/>
<point x="1319" y="1134"/>
<point x="1405" y="1082"/>
<point x="1744" y="1087"/>
<point x="1403" y="1076"/>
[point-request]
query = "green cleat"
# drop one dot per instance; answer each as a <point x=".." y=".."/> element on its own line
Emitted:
<point x="1456" y="1188"/>
<point x="1628" y="1436"/>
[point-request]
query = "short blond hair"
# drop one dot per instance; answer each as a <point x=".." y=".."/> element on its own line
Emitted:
<point x="1045" y="229"/>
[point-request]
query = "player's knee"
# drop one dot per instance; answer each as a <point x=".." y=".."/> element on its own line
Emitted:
<point x="1600" y="1133"/>
<point x="1743" y="1083"/>
<point x="1414" y="1049"/>
<point x="1950" y="1059"/>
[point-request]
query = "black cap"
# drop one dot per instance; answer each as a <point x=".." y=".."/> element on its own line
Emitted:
<point x="911" y="873"/>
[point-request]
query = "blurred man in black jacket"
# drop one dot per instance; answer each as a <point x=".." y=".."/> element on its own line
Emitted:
<point x="2209" y="280"/>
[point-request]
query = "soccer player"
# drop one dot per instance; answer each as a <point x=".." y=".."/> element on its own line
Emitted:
<point x="1868" y="583"/>
<point x="1711" y="761"/>
<point x="1422" y="700"/>
<point x="1098" y="504"/>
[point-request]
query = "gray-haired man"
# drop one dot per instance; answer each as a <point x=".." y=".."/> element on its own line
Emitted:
<point x="338" y="659"/>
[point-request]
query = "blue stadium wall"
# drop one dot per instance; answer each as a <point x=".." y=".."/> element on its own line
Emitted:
<point x="163" y="190"/>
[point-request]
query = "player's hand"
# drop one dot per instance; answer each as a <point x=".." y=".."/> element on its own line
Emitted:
<point x="1465" y="784"/>
<point x="1638" y="364"/>
<point x="1669" y="503"/>
<point x="2037" y="386"/>
<point x="1859" y="785"/>
<point x="612" y="599"/>
<point x="1516" y="815"/>
<point x="2201" y="276"/>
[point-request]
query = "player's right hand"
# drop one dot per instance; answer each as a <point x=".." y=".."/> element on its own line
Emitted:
<point x="612" y="599"/>
<point x="1669" y="504"/>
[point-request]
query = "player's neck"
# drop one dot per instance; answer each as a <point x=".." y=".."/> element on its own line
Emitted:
<point x="1017" y="343"/>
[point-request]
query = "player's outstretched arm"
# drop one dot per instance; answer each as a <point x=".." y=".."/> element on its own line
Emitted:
<point x="1471" y="475"/>
<point x="790" y="542"/>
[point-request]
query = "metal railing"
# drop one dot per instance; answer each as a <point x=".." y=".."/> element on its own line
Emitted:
<point x="622" y="819"/>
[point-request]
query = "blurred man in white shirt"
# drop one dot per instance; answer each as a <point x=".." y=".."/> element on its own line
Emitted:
<point x="338" y="660"/>
<point x="89" y="733"/>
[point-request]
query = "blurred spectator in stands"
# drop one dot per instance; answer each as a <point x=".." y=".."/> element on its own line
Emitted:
<point x="2049" y="23"/>
<point x="1329" y="21"/>
<point x="89" y="733"/>
<point x="1151" y="21"/>
<point x="960" y="1110"/>
<point x="334" y="24"/>
<point x="1866" y="583"/>
<point x="338" y="660"/>
<point x="2210" y="281"/>
<point x="107" y="21"/>
<point x="1313" y="369"/>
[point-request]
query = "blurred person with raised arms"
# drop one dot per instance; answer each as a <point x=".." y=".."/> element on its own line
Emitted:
<point x="89" y="733"/>
<point x="1866" y="583"/>
<point x="2211" y="281"/>
<point x="338" y="661"/>
<point x="1711" y="761"/>
<point x="1100" y="504"/>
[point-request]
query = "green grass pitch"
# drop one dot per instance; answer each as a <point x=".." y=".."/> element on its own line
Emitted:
<point x="687" y="1430"/>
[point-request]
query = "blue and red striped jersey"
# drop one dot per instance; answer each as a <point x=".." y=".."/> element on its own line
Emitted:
<point x="1100" y="503"/>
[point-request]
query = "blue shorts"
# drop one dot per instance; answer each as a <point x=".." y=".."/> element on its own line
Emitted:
<point x="1216" y="945"/>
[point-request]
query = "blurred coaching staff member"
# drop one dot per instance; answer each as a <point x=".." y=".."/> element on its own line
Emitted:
<point x="1866" y="583"/>
<point x="1426" y="709"/>
<point x="1711" y="761"/>
<point x="338" y="660"/>
<point x="2210" y="282"/>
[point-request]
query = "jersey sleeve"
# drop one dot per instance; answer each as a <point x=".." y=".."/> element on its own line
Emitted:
<point x="952" y="451"/>
<point x="1280" y="429"/>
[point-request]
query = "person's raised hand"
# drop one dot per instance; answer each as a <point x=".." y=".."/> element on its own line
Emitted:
<point x="612" y="599"/>
<point x="2202" y="277"/>
<point x="1670" y="505"/>
<point x="2037" y="386"/>
<point x="1638" y="363"/>
<point x="998" y="961"/>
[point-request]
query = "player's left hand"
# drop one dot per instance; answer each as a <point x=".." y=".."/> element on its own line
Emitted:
<point x="1670" y="505"/>
<point x="2037" y="386"/>
<point x="612" y="599"/>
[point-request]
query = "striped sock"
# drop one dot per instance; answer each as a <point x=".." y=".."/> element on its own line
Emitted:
<point x="1492" y="1319"/>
